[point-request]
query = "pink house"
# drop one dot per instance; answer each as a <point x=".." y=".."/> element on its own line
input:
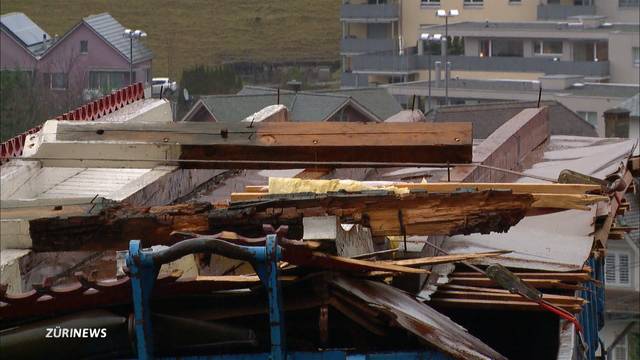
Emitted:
<point x="92" y="58"/>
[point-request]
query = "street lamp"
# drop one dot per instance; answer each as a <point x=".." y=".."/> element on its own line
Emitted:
<point x="131" y="35"/>
<point x="446" y="15"/>
<point x="430" y="38"/>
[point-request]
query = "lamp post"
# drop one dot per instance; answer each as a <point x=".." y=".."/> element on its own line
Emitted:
<point x="429" y="38"/>
<point x="446" y="15"/>
<point x="131" y="35"/>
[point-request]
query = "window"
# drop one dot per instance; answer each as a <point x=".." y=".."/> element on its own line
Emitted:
<point x="501" y="47"/>
<point x="515" y="1"/>
<point x="107" y="80"/>
<point x="430" y="2"/>
<point x="628" y="3"/>
<point x="547" y="47"/>
<point x="504" y="47"/>
<point x="619" y="352"/>
<point x="590" y="116"/>
<point x="474" y="2"/>
<point x="636" y="56"/>
<point x="59" y="81"/>
<point x="616" y="125"/>
<point x="617" y="268"/>
<point x="84" y="46"/>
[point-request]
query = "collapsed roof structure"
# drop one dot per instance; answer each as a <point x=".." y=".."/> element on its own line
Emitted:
<point x="368" y="239"/>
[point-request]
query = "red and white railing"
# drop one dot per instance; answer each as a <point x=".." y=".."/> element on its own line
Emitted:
<point x="89" y="112"/>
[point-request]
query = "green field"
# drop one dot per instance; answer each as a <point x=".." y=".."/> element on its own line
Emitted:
<point x="188" y="32"/>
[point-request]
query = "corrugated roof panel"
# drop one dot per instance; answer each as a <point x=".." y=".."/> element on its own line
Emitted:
<point x="23" y="28"/>
<point x="112" y="31"/>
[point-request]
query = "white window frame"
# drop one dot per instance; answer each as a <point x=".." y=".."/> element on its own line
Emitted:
<point x="542" y="53"/>
<point x="429" y="3"/>
<point x="616" y="268"/>
<point x="473" y="3"/>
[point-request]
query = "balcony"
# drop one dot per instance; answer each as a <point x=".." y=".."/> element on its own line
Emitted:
<point x="528" y="64"/>
<point x="351" y="80"/>
<point x="560" y="12"/>
<point x="363" y="46"/>
<point x="403" y="64"/>
<point x="369" y="13"/>
<point x="384" y="63"/>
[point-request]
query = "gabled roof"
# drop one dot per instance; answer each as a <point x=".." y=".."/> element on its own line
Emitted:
<point x="23" y="28"/>
<point x="111" y="31"/>
<point x="302" y="106"/>
<point x="376" y="100"/>
<point x="25" y="32"/>
<point x="633" y="105"/>
<point x="487" y="117"/>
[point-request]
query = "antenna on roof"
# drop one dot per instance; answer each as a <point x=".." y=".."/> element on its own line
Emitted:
<point x="539" y="94"/>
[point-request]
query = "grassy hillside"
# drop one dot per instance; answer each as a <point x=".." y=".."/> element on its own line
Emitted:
<point x="187" y="32"/>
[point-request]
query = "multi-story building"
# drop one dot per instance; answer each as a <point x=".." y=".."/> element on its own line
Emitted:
<point x="516" y="39"/>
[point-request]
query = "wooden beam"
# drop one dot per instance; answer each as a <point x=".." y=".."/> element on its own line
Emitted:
<point x="499" y="304"/>
<point x="459" y="294"/>
<point x="544" y="201"/>
<point x="562" y="276"/>
<point x="443" y="259"/>
<point x="385" y="213"/>
<point x="516" y="188"/>
<point x="537" y="283"/>
<point x="264" y="145"/>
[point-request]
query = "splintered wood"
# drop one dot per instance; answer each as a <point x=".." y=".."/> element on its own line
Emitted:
<point x="385" y="213"/>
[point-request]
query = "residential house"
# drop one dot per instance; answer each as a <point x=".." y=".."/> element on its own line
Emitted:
<point x="92" y="55"/>
<point x="589" y="100"/>
<point x="524" y="39"/>
<point x="373" y="104"/>
<point x="487" y="117"/>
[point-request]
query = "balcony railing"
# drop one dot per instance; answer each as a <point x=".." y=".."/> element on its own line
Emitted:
<point x="390" y="63"/>
<point x="354" y="80"/>
<point x="362" y="46"/>
<point x="369" y="12"/>
<point x="529" y="64"/>
<point x="384" y="63"/>
<point x="559" y="12"/>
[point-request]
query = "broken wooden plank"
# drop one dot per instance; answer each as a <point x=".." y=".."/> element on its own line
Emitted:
<point x="500" y="304"/>
<point x="262" y="146"/>
<point x="516" y="188"/>
<point x="303" y="257"/>
<point x="537" y="283"/>
<point x="384" y="213"/>
<point x="433" y="260"/>
<point x="562" y="276"/>
<point x="460" y="294"/>
<point x="551" y="201"/>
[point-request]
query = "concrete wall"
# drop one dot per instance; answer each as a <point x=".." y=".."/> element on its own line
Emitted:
<point x="414" y="15"/>
<point x="610" y="9"/>
<point x="621" y="58"/>
<point x="14" y="56"/>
